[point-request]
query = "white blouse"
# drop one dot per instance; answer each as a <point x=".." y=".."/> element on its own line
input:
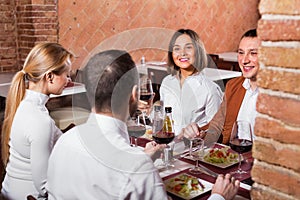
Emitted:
<point x="196" y="101"/>
<point x="33" y="135"/>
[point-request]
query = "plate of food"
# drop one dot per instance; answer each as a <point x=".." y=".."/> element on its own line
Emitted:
<point x="187" y="186"/>
<point x="220" y="156"/>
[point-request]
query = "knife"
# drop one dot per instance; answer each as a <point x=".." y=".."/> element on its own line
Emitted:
<point x="208" y="171"/>
<point x="201" y="185"/>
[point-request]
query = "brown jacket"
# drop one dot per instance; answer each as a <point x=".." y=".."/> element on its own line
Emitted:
<point x="227" y="114"/>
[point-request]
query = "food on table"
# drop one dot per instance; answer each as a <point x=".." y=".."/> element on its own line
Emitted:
<point x="149" y="131"/>
<point x="148" y="134"/>
<point x="220" y="155"/>
<point x="185" y="185"/>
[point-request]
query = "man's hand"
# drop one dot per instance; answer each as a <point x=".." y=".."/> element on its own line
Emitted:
<point x="226" y="186"/>
<point x="146" y="106"/>
<point x="154" y="150"/>
<point x="191" y="131"/>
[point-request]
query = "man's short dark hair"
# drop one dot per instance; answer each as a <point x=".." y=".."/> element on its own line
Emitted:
<point x="250" y="33"/>
<point x="109" y="77"/>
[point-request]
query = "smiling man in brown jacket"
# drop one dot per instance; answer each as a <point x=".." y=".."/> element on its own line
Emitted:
<point x="239" y="101"/>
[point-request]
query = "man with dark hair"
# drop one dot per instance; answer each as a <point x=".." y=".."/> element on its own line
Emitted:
<point x="95" y="160"/>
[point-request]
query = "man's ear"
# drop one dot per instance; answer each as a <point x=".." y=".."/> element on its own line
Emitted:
<point x="135" y="93"/>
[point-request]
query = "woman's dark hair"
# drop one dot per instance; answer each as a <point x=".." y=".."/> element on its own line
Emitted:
<point x="200" y="52"/>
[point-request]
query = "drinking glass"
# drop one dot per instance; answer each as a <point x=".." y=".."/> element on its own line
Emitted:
<point x="241" y="142"/>
<point x="196" y="152"/>
<point x="135" y="130"/>
<point x="146" y="95"/>
<point x="161" y="137"/>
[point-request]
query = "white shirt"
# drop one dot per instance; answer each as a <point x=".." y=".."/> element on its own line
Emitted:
<point x="247" y="110"/>
<point x="196" y="101"/>
<point x="33" y="135"/>
<point x="95" y="161"/>
<point x="216" y="196"/>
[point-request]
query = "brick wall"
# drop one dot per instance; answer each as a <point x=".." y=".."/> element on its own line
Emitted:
<point x="8" y="55"/>
<point x="37" y="21"/>
<point x="24" y="23"/>
<point x="144" y="27"/>
<point x="82" y="25"/>
<point x="276" y="169"/>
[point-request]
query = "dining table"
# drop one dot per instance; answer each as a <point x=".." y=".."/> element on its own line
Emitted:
<point x="213" y="74"/>
<point x="71" y="89"/>
<point x="182" y="164"/>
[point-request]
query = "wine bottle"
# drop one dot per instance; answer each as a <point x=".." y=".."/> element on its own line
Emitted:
<point x="168" y="121"/>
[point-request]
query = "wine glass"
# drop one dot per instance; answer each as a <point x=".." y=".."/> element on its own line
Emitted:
<point x="135" y="130"/>
<point x="146" y="95"/>
<point x="241" y="142"/>
<point x="196" y="152"/>
<point x="161" y="137"/>
<point x="164" y="134"/>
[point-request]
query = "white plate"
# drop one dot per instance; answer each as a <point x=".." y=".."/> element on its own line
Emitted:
<point x="207" y="187"/>
<point x="221" y="165"/>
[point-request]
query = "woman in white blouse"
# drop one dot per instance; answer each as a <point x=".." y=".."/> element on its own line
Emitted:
<point x="28" y="132"/>
<point x="193" y="97"/>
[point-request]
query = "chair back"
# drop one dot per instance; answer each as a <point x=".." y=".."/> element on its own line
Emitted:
<point x="156" y="75"/>
<point x="30" y="197"/>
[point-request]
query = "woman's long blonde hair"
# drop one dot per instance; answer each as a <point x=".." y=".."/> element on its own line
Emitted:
<point x="42" y="59"/>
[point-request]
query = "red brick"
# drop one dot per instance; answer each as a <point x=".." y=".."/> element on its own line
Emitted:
<point x="279" y="80"/>
<point x="277" y="154"/>
<point x="259" y="192"/>
<point x="276" y="178"/>
<point x="287" y="7"/>
<point x="279" y="131"/>
<point x="276" y="30"/>
<point x="284" y="109"/>
<point x="37" y="1"/>
<point x="7" y="36"/>
<point x="280" y="56"/>
<point x="37" y="22"/>
<point x="52" y="2"/>
<point x="23" y="2"/>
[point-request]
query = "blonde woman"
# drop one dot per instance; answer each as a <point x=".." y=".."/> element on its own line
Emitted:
<point x="28" y="132"/>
